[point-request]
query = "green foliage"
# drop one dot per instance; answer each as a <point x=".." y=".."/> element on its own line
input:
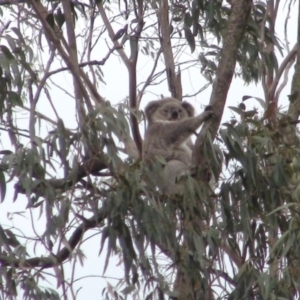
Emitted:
<point x="257" y="205"/>
<point x="254" y="56"/>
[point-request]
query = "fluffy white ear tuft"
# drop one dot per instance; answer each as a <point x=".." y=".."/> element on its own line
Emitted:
<point x="150" y="109"/>
<point x="189" y="108"/>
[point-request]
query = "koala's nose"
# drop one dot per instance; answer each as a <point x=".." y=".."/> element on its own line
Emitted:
<point x="174" y="113"/>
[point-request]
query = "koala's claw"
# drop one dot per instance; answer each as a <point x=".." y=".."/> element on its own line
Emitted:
<point x="209" y="112"/>
<point x="208" y="115"/>
<point x="208" y="108"/>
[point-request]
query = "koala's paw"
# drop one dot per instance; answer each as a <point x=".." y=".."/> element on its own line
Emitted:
<point x="208" y="113"/>
<point x="208" y="108"/>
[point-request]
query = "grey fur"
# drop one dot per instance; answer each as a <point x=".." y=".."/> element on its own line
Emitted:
<point x="170" y="126"/>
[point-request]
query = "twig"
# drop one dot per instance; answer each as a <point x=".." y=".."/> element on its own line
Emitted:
<point x="285" y="80"/>
<point x="111" y="34"/>
<point x="289" y="58"/>
<point x="149" y="78"/>
<point x="64" y="253"/>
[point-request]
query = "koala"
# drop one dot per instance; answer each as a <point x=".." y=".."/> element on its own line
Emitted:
<point x="168" y="137"/>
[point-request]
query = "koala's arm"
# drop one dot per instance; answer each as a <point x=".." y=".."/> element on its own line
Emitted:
<point x="178" y="132"/>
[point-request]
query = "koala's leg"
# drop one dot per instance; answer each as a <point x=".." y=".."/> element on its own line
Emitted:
<point x="173" y="170"/>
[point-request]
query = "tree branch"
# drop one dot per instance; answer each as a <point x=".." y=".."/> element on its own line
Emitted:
<point x="289" y="58"/>
<point x="174" y="81"/>
<point x="149" y="78"/>
<point x="111" y="34"/>
<point x="134" y="40"/>
<point x="41" y="13"/>
<point x="130" y="63"/>
<point x="54" y="260"/>
<point x="294" y="108"/>
<point x="240" y="10"/>
<point x="88" y="167"/>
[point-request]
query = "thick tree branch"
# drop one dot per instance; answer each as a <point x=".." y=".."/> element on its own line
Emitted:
<point x="174" y="81"/>
<point x="130" y="63"/>
<point x="294" y="108"/>
<point x="237" y="22"/>
<point x="79" y="93"/>
<point x="72" y="49"/>
<point x="90" y="166"/>
<point x="134" y="40"/>
<point x="41" y="13"/>
<point x="240" y="10"/>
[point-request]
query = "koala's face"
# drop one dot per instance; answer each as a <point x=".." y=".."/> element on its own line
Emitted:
<point x="170" y="112"/>
<point x="168" y="109"/>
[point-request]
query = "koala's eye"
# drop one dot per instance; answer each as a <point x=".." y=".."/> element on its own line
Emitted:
<point x="179" y="110"/>
<point x="166" y="111"/>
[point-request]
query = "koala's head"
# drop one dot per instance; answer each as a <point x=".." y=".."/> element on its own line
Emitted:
<point x="168" y="109"/>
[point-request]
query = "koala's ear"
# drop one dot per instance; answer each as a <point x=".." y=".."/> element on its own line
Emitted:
<point x="189" y="108"/>
<point x="150" y="109"/>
